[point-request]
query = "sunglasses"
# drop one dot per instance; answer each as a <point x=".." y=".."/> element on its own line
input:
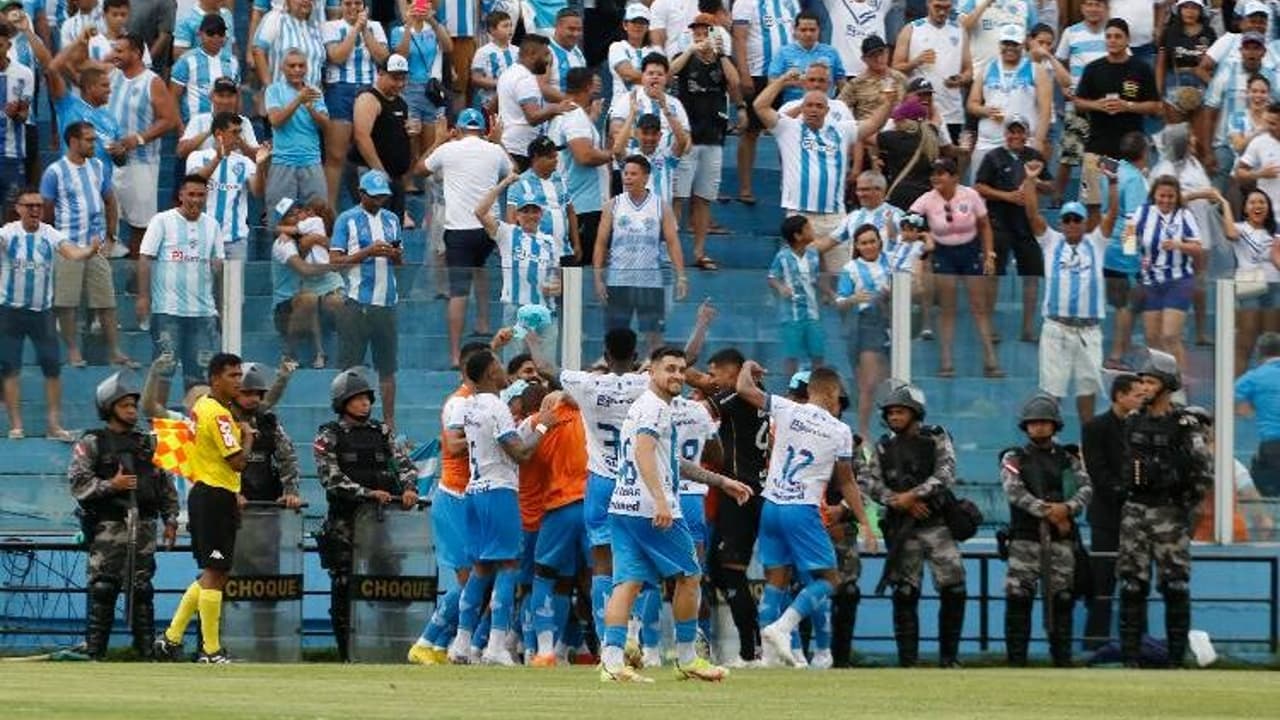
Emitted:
<point x="946" y="209"/>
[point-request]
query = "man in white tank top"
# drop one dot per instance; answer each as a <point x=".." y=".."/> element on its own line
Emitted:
<point x="935" y="48"/>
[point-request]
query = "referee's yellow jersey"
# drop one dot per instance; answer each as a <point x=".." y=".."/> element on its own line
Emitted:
<point x="217" y="438"/>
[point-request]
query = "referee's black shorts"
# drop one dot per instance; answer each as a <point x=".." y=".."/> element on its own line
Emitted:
<point x="213" y="516"/>
<point x="736" y="530"/>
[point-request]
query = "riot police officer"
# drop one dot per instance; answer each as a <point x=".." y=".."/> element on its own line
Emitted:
<point x="271" y="474"/>
<point x="911" y="473"/>
<point x="357" y="461"/>
<point x="110" y="474"/>
<point x="1168" y="471"/>
<point x="1041" y="530"/>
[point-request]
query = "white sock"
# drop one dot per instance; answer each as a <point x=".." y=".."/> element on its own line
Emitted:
<point x="685" y="653"/>
<point x="546" y="643"/>
<point x="789" y="620"/>
<point x="633" y="631"/>
<point x="611" y="657"/>
<point x="463" y="639"/>
<point x="497" y="641"/>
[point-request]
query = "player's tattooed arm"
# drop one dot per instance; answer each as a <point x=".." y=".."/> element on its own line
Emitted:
<point x="696" y="473"/>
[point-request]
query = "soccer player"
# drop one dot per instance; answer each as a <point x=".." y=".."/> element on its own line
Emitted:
<point x="651" y="540"/>
<point x="811" y="443"/>
<point x="495" y="449"/>
<point x="222" y="448"/>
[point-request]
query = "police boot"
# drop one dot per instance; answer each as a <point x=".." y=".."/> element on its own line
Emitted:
<point x="906" y="624"/>
<point x="1060" y="638"/>
<point x="340" y="615"/>
<point x="1177" y="620"/>
<point x="143" y="622"/>
<point x="1017" y="629"/>
<point x="1133" y="620"/>
<point x="102" y="613"/>
<point x="844" y="615"/>
<point x="950" y="623"/>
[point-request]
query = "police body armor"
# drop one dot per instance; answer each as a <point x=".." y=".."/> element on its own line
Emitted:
<point x="364" y="456"/>
<point x="906" y="462"/>
<point x="133" y="450"/>
<point x="1042" y="471"/>
<point x="1158" y="469"/>
<point x="260" y="479"/>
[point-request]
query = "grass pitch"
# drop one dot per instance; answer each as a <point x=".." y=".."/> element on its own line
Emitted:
<point x="189" y="692"/>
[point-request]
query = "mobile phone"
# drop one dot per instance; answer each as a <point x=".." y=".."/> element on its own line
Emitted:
<point x="421" y="7"/>
<point x="1111" y="165"/>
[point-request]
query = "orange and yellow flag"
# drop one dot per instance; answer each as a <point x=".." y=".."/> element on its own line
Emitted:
<point x="175" y="441"/>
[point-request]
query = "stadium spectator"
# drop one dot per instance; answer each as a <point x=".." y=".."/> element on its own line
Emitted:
<point x="179" y="255"/>
<point x="1259" y="161"/>
<point x="670" y="21"/>
<point x="424" y="42"/>
<point x="794" y="277"/>
<point x="908" y="150"/>
<point x="862" y="296"/>
<point x="27" y="247"/>
<point x="651" y="98"/>
<point x="381" y="132"/>
<point x="293" y="30"/>
<point x="468" y="166"/>
<point x="1257" y="255"/>
<point x="1124" y="292"/>
<point x="18" y="83"/>
<point x="626" y="55"/>
<point x="1010" y="84"/>
<point x="366" y="240"/>
<point x="194" y="23"/>
<point x="461" y="23"/>
<point x="1257" y="394"/>
<point x="805" y="50"/>
<point x="1226" y="99"/>
<point x="565" y="54"/>
<point x="521" y="107"/>
<point x="491" y="60"/>
<point x="355" y="46"/>
<point x="303" y="285"/>
<point x="1168" y="241"/>
<point x="195" y="73"/>
<point x="852" y="24"/>
<point x="964" y="252"/>
<point x="197" y="133"/>
<point x="543" y="184"/>
<point x="1178" y="159"/>
<point x="298" y="117"/>
<point x="1080" y="45"/>
<point x="664" y="159"/>
<point x="233" y="176"/>
<point x="584" y="163"/>
<point x="528" y="257"/>
<point x="760" y="30"/>
<point x="1186" y="39"/>
<point x="985" y="22"/>
<point x="926" y="50"/>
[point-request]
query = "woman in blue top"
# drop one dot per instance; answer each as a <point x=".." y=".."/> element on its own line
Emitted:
<point x="423" y="41"/>
<point x="863" y="296"/>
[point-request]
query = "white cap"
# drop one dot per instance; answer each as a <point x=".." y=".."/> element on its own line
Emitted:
<point x="1199" y="3"/>
<point x="1253" y="7"/>
<point x="397" y="64"/>
<point x="637" y="11"/>
<point x="1201" y="648"/>
<point x="1012" y="33"/>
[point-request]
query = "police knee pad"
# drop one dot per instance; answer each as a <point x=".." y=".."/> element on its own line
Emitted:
<point x="1132" y="589"/>
<point x="104" y="589"/>
<point x="1175" y="589"/>
<point x="143" y="590"/>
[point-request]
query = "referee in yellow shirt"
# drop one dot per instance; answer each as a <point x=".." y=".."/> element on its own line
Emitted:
<point x="221" y="451"/>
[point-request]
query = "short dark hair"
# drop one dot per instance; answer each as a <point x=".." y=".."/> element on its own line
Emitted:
<point x="74" y="129"/>
<point x="35" y="190"/>
<point x="89" y="76"/>
<point x="1133" y="146"/>
<point x="224" y="120"/>
<point x="108" y="4"/>
<point x="220" y="362"/>
<point x="1042" y="28"/>
<point x="654" y="58"/>
<point x="807" y="15"/>
<point x="728" y="356"/>
<point x="532" y="40"/>
<point x="134" y="40"/>
<point x="648" y="121"/>
<point x="567" y="12"/>
<point x="640" y="160"/>
<point x="791" y="228"/>
<point x="710" y="6"/>
<point x="1123" y="384"/>
<point x="470" y="349"/>
<point x="666" y="351"/>
<point x="866" y="227"/>
<point x="578" y="79"/>
<point x="1273" y="107"/>
<point x="193" y="179"/>
<point x="6" y="30"/>
<point x="824" y="378"/>
<point x="1269" y="344"/>
<point x="620" y="344"/>
<point x="478" y="364"/>
<point x="495" y="18"/>
<point x="1117" y="23"/>
<point x="514" y="363"/>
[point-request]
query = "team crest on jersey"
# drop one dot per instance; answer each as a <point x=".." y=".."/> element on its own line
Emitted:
<point x="1129" y="88"/>
<point x="962" y="208"/>
<point x="239" y="172"/>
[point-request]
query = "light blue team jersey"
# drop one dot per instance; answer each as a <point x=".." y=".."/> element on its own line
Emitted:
<point x="1014" y="92"/>
<point x="459" y="16"/>
<point x="1080" y="46"/>
<point x="186" y="30"/>
<point x="424" y="53"/>
<point x="26" y="266"/>
<point x="884" y="218"/>
<point x="229" y="191"/>
<point x="1074" y="283"/>
<point x="360" y="66"/>
<point x="70" y="108"/>
<point x="527" y="263"/>
<point x="800" y="274"/>
<point x="77" y="193"/>
<point x="874" y="277"/>
<point x="1228" y="93"/>
<point x="284" y="281"/>
<point x="544" y="14"/>
<point x="814" y="163"/>
<point x="372" y="282"/>
<point x="17" y="84"/>
<point x="491" y="60"/>
<point x="130" y="104"/>
<point x="635" y="245"/>
<point x="552" y="194"/>
<point x="278" y="33"/>
<point x="648" y="415"/>
<point x="297" y="142"/>
<point x="562" y="61"/>
<point x="195" y="71"/>
<point x="662" y="170"/>
<point x="795" y="57"/>
<point x="1133" y="195"/>
<point x="588" y="185"/>
<point x="769" y="26"/>
<point x="183" y="253"/>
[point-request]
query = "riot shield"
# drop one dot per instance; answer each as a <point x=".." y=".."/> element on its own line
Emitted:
<point x="393" y="581"/>
<point x="262" y="603"/>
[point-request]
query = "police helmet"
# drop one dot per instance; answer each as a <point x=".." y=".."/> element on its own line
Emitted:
<point x="115" y="388"/>
<point x="1161" y="366"/>
<point x="1040" y="407"/>
<point x="348" y="384"/>
<point x="896" y="393"/>
<point x="1199" y="413"/>
<point x="257" y="378"/>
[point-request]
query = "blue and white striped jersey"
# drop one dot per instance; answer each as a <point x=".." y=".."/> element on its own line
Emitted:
<point x="814" y="164"/>
<point x="769" y="25"/>
<point x="229" y="191"/>
<point x="26" y="266"/>
<point x="1152" y="228"/>
<point x="372" y="282"/>
<point x="490" y="60"/>
<point x="874" y="277"/>
<point x="77" y="193"/>
<point x="130" y="104"/>
<point x="17" y="84"/>
<point x="800" y="274"/>
<point x="562" y="61"/>
<point x="184" y="252"/>
<point x="360" y="66"/>
<point x="195" y="72"/>
<point x="278" y="33"/>
<point x="527" y="263"/>
<point x="1074" y="283"/>
<point x="553" y="195"/>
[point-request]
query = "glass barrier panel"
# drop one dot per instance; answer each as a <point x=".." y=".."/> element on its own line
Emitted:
<point x="1257" y="422"/>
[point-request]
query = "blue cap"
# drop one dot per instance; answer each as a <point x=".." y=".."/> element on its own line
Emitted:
<point x="1073" y="208"/>
<point x="471" y="119"/>
<point x="375" y="182"/>
<point x="799" y="379"/>
<point x="531" y="318"/>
